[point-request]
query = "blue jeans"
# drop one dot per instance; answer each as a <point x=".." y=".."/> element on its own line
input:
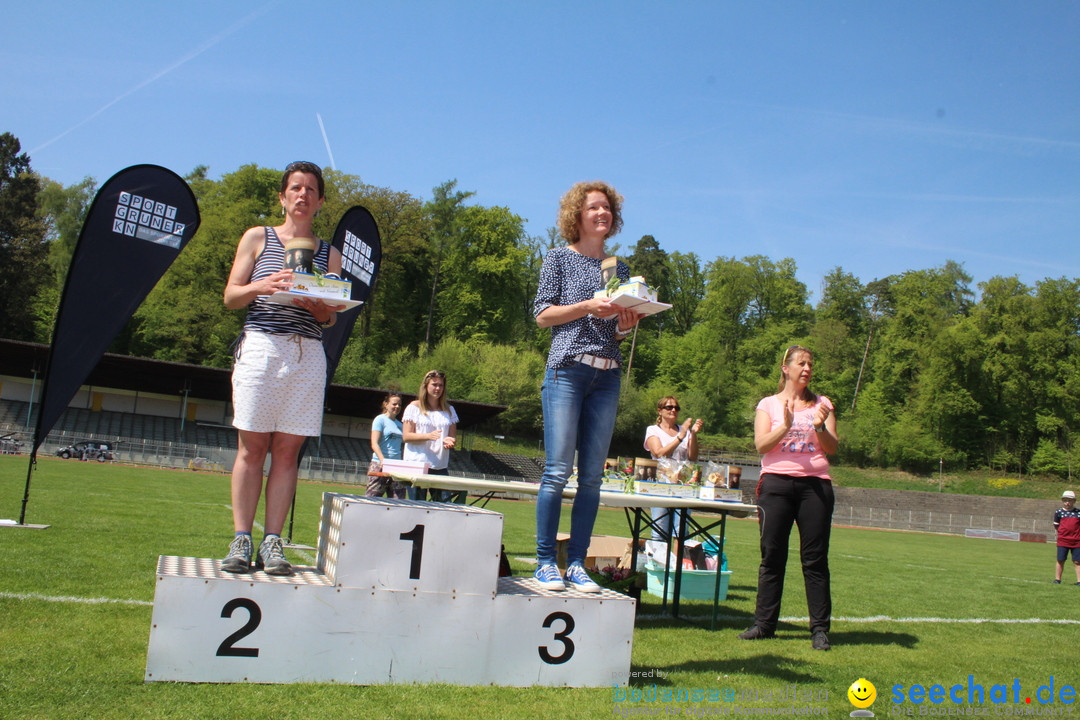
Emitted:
<point x="580" y="404"/>
<point x="444" y="496"/>
<point x="668" y="519"/>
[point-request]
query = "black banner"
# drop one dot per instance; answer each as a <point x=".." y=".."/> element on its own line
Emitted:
<point x="357" y="239"/>
<point x="140" y="220"/>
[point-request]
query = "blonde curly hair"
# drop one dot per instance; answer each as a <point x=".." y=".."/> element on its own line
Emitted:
<point x="574" y="200"/>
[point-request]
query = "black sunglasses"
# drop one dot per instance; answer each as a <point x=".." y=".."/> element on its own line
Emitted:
<point x="303" y="166"/>
<point x="670" y="407"/>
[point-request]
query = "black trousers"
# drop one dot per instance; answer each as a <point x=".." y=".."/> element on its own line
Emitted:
<point x="807" y="502"/>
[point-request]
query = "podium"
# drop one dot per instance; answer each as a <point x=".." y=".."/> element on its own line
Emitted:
<point x="403" y="591"/>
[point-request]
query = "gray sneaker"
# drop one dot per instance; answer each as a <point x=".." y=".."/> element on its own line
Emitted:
<point x="271" y="558"/>
<point x="239" y="558"/>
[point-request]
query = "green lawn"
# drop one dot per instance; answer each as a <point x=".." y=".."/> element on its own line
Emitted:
<point x="910" y="609"/>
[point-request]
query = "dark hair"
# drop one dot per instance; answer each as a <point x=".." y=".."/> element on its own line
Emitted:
<point x="304" y="167"/>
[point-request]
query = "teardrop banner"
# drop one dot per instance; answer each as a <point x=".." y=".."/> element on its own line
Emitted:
<point x="357" y="239"/>
<point x="140" y="220"/>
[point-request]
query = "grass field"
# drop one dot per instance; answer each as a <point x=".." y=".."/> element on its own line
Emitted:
<point x="910" y="609"/>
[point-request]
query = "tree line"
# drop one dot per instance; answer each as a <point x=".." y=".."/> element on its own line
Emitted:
<point x="923" y="373"/>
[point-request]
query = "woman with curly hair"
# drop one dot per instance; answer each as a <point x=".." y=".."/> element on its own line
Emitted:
<point x="580" y="394"/>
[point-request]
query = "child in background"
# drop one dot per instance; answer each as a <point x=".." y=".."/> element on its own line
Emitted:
<point x="1067" y="524"/>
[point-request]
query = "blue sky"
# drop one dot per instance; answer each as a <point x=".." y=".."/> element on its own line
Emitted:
<point x="875" y="136"/>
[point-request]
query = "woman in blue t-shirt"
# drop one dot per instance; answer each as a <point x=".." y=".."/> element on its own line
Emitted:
<point x="385" y="445"/>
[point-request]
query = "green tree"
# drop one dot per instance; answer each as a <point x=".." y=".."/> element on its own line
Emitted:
<point x="23" y="246"/>
<point x="444" y="209"/>
<point x="922" y="304"/>
<point x="753" y="308"/>
<point x="651" y="262"/>
<point x="483" y="290"/>
<point x="686" y="289"/>
<point x="64" y="211"/>
<point x="839" y="337"/>
<point x="396" y="314"/>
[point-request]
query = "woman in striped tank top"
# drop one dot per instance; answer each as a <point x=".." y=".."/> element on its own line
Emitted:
<point x="279" y="376"/>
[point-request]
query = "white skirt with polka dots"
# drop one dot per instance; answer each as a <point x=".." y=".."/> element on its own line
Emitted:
<point x="279" y="384"/>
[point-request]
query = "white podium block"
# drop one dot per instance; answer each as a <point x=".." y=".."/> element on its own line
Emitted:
<point x="562" y="639"/>
<point x="413" y="545"/>
<point x="210" y="626"/>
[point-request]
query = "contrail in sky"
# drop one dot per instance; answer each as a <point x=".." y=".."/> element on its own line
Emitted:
<point x="327" y="141"/>
<point x="190" y="56"/>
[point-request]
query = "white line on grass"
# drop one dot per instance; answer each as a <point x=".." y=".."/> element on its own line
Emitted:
<point x="1003" y="577"/>
<point x="910" y="565"/>
<point x="185" y="503"/>
<point x="870" y="619"/>
<point x="889" y="619"/>
<point x="72" y="599"/>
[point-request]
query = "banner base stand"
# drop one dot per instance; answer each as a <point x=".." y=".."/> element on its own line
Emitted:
<point x="25" y="526"/>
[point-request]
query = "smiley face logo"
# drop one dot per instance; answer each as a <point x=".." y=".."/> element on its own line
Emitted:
<point x="862" y="693"/>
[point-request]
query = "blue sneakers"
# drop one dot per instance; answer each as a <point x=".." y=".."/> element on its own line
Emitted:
<point x="579" y="580"/>
<point x="548" y="577"/>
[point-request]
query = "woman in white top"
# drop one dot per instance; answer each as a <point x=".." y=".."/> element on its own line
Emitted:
<point x="429" y="431"/>
<point x="667" y="438"/>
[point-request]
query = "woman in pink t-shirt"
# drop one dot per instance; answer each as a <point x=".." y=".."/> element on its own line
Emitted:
<point x="794" y="430"/>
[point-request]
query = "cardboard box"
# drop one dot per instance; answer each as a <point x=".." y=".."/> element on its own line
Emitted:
<point x="721" y="494"/>
<point x="635" y="294"/>
<point x="636" y="288"/>
<point x="664" y="489"/>
<point x="604" y="551"/>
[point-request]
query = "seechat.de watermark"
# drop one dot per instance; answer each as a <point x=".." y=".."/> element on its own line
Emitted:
<point x="972" y="697"/>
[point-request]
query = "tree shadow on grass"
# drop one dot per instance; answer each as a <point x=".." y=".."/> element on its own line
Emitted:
<point x="772" y="664"/>
<point x="874" y="637"/>
<point x="779" y="667"/>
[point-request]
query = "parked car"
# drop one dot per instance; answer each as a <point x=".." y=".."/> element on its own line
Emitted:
<point x="10" y="445"/>
<point x="87" y="450"/>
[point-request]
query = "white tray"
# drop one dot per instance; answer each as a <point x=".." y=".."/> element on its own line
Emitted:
<point x="645" y="307"/>
<point x="285" y="297"/>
